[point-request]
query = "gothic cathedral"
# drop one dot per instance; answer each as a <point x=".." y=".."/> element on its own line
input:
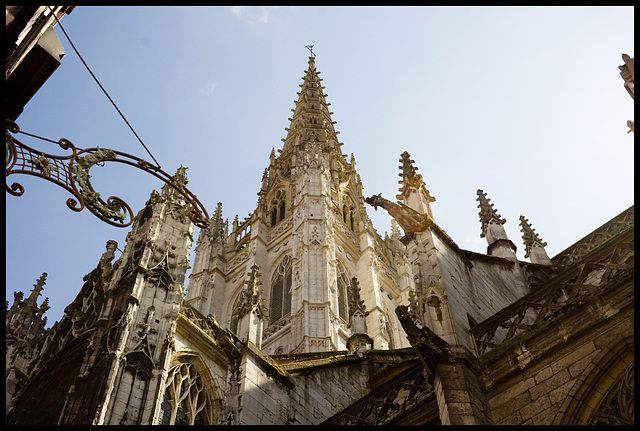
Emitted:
<point x="303" y="314"/>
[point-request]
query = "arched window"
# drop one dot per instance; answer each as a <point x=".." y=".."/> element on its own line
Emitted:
<point x="278" y="207"/>
<point x="186" y="402"/>
<point x="233" y="326"/>
<point x="343" y="288"/>
<point x="281" y="290"/>
<point x="348" y="214"/>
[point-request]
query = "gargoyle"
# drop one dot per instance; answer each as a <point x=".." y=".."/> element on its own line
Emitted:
<point x="430" y="347"/>
<point x="409" y="219"/>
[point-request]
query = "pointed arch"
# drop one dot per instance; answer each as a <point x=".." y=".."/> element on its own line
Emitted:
<point x="160" y="277"/>
<point x="132" y="385"/>
<point x="281" y="284"/>
<point x="604" y="396"/>
<point x="235" y="317"/>
<point x="191" y="397"/>
<point x="348" y="212"/>
<point x="278" y="207"/>
<point x="342" y="283"/>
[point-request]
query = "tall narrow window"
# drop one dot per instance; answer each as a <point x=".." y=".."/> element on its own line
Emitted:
<point x="278" y="207"/>
<point x="343" y="287"/>
<point x="234" y="316"/>
<point x="281" y="290"/>
<point x="348" y="214"/>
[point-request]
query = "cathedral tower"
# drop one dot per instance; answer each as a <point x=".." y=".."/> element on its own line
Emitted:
<point x="310" y="236"/>
<point x="105" y="361"/>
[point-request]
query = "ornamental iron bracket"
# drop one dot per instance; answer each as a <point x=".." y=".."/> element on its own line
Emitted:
<point x="71" y="172"/>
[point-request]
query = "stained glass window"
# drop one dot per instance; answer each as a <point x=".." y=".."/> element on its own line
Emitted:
<point x="281" y="290"/>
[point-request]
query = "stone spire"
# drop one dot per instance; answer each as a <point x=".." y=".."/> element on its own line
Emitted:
<point x="311" y="121"/>
<point x="218" y="228"/>
<point x="24" y="320"/>
<point x="413" y="191"/>
<point x="533" y="245"/>
<point x="24" y="331"/>
<point x="492" y="229"/>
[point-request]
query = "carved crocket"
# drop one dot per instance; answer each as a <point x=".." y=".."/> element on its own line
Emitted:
<point x="409" y="219"/>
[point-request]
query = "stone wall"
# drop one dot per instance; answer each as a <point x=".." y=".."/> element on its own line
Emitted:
<point x="309" y="395"/>
<point x="544" y="380"/>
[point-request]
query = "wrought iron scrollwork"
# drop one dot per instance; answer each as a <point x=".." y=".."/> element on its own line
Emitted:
<point x="71" y="172"/>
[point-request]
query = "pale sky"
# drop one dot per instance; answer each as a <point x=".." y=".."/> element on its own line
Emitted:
<point x="525" y="103"/>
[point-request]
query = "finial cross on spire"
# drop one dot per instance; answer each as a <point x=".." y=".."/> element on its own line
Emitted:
<point x="310" y="48"/>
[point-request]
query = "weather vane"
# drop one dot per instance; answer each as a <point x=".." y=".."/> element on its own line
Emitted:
<point x="310" y="48"/>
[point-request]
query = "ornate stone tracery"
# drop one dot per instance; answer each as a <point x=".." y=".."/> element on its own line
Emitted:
<point x="186" y="400"/>
<point x="281" y="287"/>
<point x="618" y="407"/>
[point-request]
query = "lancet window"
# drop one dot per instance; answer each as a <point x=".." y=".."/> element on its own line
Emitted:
<point x="234" y="316"/>
<point x="348" y="215"/>
<point x="343" y="288"/>
<point x="281" y="290"/>
<point x="278" y="207"/>
<point x="186" y="401"/>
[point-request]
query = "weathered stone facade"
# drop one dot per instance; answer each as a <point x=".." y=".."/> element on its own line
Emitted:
<point x="303" y="314"/>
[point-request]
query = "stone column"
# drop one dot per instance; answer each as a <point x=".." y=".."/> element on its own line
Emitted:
<point x="452" y="372"/>
<point x="461" y="397"/>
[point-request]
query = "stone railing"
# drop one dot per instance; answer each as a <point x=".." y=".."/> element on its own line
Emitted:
<point x="596" y="238"/>
<point x="610" y="263"/>
<point x="276" y="326"/>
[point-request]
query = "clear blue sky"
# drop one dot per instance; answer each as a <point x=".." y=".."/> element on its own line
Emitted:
<point x="524" y="103"/>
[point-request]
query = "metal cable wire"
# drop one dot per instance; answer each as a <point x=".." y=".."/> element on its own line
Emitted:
<point x="101" y="87"/>
<point x="38" y="137"/>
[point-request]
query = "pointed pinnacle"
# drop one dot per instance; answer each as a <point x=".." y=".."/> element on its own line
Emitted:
<point x="487" y="211"/>
<point x="181" y="176"/>
<point x="408" y="171"/>
<point x="529" y="236"/>
<point x="37" y="288"/>
<point x="217" y="215"/>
